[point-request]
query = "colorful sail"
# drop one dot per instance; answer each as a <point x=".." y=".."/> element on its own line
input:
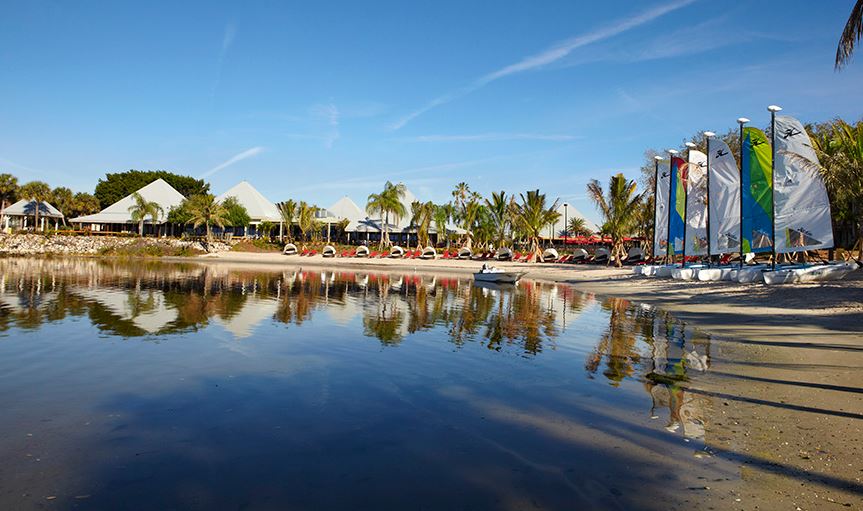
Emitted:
<point x="724" y="203"/>
<point x="678" y="205"/>
<point x="803" y="218"/>
<point x="696" y="204"/>
<point x="757" y="192"/>
<point x="660" y="236"/>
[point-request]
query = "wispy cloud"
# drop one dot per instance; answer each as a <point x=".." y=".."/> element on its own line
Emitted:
<point x="329" y="113"/>
<point x="492" y="137"/>
<point x="248" y="153"/>
<point x="227" y="40"/>
<point x="548" y="56"/>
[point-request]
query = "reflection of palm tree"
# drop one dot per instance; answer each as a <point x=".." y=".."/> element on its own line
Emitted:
<point x="385" y="324"/>
<point x="617" y="346"/>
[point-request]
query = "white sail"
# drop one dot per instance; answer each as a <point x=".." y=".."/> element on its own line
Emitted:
<point x="724" y="203"/>
<point x="660" y="237"/>
<point x="696" y="204"/>
<point x="802" y="216"/>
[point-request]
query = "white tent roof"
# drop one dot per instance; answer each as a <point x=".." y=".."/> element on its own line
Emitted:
<point x="26" y="207"/>
<point x="259" y="207"/>
<point x="346" y="208"/>
<point x="402" y="224"/>
<point x="569" y="213"/>
<point x="159" y="191"/>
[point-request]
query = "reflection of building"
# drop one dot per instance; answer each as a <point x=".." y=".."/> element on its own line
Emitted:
<point x="146" y="309"/>
<point x="244" y="322"/>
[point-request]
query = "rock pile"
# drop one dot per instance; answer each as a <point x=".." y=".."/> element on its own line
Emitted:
<point x="37" y="244"/>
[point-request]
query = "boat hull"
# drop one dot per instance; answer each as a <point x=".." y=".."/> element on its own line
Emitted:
<point x="815" y="273"/>
<point x="498" y="278"/>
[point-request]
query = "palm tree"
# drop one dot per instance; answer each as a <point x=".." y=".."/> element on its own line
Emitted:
<point x="386" y="203"/>
<point x="38" y="192"/>
<point x="442" y="214"/>
<point x="63" y="199"/>
<point x="8" y="189"/>
<point x="288" y="211"/>
<point x="141" y="209"/>
<point x="498" y="209"/>
<point x="421" y="218"/>
<point x="305" y="218"/>
<point x="205" y="210"/>
<point x="84" y="204"/>
<point x="839" y="147"/>
<point x="850" y="35"/>
<point x="531" y="216"/>
<point x="619" y="210"/>
<point x="577" y="227"/>
<point x="460" y="194"/>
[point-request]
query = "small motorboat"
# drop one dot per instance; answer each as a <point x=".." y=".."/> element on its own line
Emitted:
<point x="496" y="275"/>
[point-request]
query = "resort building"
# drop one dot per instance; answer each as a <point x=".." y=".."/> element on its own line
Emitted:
<point x="22" y="215"/>
<point x="117" y="218"/>
<point x="259" y="208"/>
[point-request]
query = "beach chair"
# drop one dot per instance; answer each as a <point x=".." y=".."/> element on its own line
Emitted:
<point x="305" y="252"/>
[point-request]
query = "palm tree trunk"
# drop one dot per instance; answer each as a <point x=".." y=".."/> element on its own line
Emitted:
<point x="141" y="228"/>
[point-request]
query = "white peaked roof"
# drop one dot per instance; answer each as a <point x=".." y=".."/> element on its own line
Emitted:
<point x="346" y="208"/>
<point x="259" y="207"/>
<point x="26" y="207"/>
<point x="159" y="191"/>
<point x="565" y="215"/>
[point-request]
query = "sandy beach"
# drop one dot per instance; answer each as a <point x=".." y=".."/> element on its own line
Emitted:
<point x="785" y="360"/>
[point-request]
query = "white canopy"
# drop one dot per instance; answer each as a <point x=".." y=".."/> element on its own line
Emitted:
<point x="259" y="208"/>
<point x="346" y="208"/>
<point x="26" y="207"/>
<point x="159" y="191"/>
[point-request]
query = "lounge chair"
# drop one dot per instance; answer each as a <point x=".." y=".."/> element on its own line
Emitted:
<point x="601" y="256"/>
<point x="428" y="253"/>
<point x="328" y="251"/>
<point x="503" y="254"/>
<point x="579" y="256"/>
<point x="464" y="253"/>
<point x="397" y="252"/>
<point x="634" y="255"/>
<point x="550" y="255"/>
<point x="362" y="251"/>
<point x="290" y="249"/>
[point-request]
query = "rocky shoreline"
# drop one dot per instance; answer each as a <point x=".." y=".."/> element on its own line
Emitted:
<point x="38" y="244"/>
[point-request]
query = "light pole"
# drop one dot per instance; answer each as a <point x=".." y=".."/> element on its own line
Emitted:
<point x="565" y="224"/>
<point x="741" y="121"/>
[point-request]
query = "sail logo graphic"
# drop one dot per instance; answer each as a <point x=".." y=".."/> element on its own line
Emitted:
<point x="800" y="237"/>
<point x="721" y="152"/>
<point x="664" y="175"/>
<point x="757" y="142"/>
<point x="790" y="132"/>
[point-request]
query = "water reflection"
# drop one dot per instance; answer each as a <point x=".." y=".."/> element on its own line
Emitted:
<point x="513" y="383"/>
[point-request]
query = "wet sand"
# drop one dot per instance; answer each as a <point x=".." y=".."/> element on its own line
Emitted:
<point x="786" y="379"/>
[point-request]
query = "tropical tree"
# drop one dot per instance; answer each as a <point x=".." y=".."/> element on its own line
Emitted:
<point x="619" y="210"/>
<point x="63" y="199"/>
<point x="266" y="228"/>
<point x="8" y="189"/>
<point x="442" y="214"/>
<point x="288" y="211"/>
<point x="141" y="209"/>
<point x="38" y="192"/>
<point x="531" y="216"/>
<point x="850" y="35"/>
<point x="84" y="204"/>
<point x="205" y="210"/>
<point x="460" y="195"/>
<point x="236" y="214"/>
<point x="305" y="218"/>
<point x="422" y="214"/>
<point x="839" y="146"/>
<point x="115" y="186"/>
<point x="499" y="212"/>
<point x="387" y="203"/>
<point x="577" y="227"/>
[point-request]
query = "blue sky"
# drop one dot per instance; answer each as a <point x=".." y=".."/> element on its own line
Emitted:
<point x="316" y="100"/>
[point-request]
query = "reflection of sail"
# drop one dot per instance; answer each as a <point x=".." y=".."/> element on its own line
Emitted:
<point x="244" y="323"/>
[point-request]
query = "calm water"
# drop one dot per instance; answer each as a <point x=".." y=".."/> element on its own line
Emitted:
<point x="153" y="386"/>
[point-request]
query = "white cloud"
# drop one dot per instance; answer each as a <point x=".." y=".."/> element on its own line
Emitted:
<point x="549" y="56"/>
<point x="492" y="137"/>
<point x="248" y="153"/>
<point x="330" y="114"/>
